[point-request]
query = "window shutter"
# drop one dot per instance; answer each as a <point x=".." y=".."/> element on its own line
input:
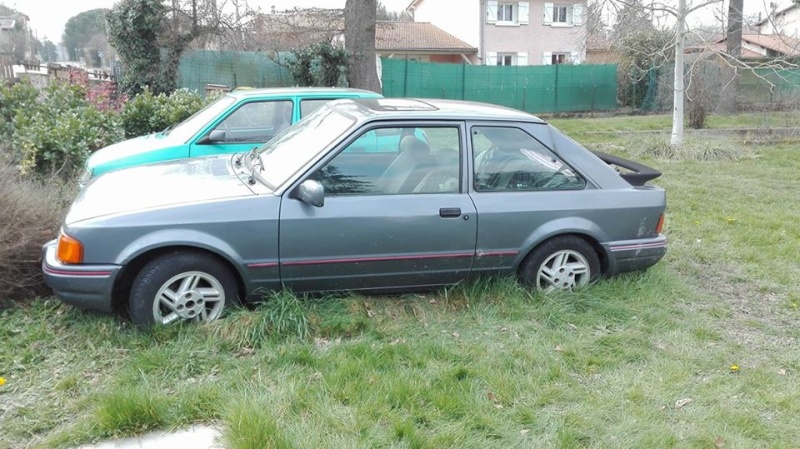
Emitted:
<point x="547" y="58"/>
<point x="522" y="9"/>
<point x="491" y="58"/>
<point x="491" y="11"/>
<point x="522" y="58"/>
<point x="577" y="15"/>
<point x="547" y="17"/>
<point x="575" y="58"/>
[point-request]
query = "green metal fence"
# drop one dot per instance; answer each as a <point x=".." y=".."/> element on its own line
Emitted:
<point x="199" y="68"/>
<point x="538" y="89"/>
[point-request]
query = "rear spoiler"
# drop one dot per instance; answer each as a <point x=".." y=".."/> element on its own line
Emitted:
<point x="635" y="173"/>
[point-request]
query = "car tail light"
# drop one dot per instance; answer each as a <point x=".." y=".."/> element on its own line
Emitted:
<point x="660" y="224"/>
<point x="70" y="250"/>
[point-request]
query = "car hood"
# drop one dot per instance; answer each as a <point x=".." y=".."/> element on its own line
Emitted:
<point x="138" y="146"/>
<point x="159" y="185"/>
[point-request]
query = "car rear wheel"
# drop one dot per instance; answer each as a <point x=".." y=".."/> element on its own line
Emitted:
<point x="561" y="263"/>
<point x="181" y="286"/>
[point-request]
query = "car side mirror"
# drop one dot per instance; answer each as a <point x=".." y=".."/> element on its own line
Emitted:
<point x="311" y="192"/>
<point x="215" y="136"/>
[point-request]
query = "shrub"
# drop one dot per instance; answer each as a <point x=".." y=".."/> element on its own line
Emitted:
<point x="147" y="113"/>
<point x="703" y="92"/>
<point x="319" y="64"/>
<point x="32" y="212"/>
<point x="19" y="97"/>
<point x="61" y="131"/>
<point x="694" y="148"/>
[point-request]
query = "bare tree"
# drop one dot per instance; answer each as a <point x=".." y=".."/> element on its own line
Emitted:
<point x="359" y="34"/>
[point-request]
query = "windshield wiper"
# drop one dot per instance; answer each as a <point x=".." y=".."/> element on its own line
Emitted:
<point x="168" y="129"/>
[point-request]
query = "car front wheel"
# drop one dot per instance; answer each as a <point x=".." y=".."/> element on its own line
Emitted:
<point x="181" y="286"/>
<point x="561" y="263"/>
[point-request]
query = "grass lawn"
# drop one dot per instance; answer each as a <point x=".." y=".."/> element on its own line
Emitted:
<point x="700" y="351"/>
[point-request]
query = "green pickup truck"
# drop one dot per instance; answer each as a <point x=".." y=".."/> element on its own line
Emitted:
<point x="237" y="121"/>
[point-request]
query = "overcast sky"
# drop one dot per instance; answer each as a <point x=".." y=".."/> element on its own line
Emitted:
<point x="49" y="16"/>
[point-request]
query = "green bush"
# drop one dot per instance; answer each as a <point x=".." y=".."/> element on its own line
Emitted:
<point x="61" y="131"/>
<point x="19" y="97"/>
<point x="147" y="113"/>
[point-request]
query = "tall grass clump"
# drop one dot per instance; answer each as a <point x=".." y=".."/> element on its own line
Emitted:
<point x="694" y="148"/>
<point x="281" y="316"/>
<point x="32" y="211"/>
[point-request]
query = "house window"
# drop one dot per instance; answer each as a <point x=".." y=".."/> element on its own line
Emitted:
<point x="518" y="58"/>
<point x="505" y="12"/>
<point x="505" y="59"/>
<point x="559" y="58"/>
<point x="560" y="14"/>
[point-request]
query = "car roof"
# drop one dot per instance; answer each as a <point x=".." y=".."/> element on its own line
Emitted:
<point x="427" y="108"/>
<point x="301" y="91"/>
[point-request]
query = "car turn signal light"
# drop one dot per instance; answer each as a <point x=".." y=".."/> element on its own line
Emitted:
<point x="660" y="224"/>
<point x="69" y="249"/>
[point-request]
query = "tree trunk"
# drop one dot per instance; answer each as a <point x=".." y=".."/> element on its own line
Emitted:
<point x="733" y="47"/>
<point x="676" y="139"/>
<point x="359" y="37"/>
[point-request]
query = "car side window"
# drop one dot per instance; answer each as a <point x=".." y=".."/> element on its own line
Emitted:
<point x="311" y="105"/>
<point x="391" y="161"/>
<point x="510" y="159"/>
<point x="256" y="122"/>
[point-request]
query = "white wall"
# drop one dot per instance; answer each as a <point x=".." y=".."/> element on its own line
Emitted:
<point x="460" y="18"/>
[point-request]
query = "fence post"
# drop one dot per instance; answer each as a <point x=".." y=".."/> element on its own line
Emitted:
<point x="524" y="98"/>
<point x="555" y="104"/>
<point x="405" y="79"/>
<point x="463" y="80"/>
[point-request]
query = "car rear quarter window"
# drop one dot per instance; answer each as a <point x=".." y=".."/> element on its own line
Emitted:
<point x="310" y="105"/>
<point x="510" y="159"/>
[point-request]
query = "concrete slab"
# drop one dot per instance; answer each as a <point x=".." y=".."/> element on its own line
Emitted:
<point x="195" y="437"/>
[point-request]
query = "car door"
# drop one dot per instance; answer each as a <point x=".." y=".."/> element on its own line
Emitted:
<point x="392" y="217"/>
<point x="249" y="125"/>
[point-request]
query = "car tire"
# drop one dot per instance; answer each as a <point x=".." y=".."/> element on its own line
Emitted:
<point x="181" y="286"/>
<point x="561" y="263"/>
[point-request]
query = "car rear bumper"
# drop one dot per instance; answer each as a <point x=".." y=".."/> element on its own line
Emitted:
<point x="84" y="286"/>
<point x="632" y="255"/>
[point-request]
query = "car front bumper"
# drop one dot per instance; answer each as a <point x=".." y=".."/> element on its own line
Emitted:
<point x="84" y="286"/>
<point x="632" y="255"/>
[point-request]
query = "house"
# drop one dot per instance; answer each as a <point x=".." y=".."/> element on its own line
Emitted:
<point x="785" y="21"/>
<point x="421" y="41"/>
<point x="511" y="32"/>
<point x="15" y="36"/>
<point x="299" y="28"/>
<point x="763" y="46"/>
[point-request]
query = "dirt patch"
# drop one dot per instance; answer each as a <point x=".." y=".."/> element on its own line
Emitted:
<point x="754" y="319"/>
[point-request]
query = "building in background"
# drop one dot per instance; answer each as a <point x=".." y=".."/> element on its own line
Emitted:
<point x="512" y="32"/>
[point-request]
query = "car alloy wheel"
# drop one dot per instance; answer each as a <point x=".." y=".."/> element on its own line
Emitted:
<point x="563" y="270"/>
<point x="561" y="263"/>
<point x="182" y="286"/>
<point x="193" y="295"/>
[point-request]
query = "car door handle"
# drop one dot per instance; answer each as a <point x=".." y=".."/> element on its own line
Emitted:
<point x="450" y="212"/>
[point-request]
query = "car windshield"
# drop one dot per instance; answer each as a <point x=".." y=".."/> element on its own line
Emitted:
<point x="186" y="129"/>
<point x="292" y="149"/>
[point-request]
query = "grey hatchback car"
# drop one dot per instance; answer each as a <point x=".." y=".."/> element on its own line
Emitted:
<point x="368" y="195"/>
